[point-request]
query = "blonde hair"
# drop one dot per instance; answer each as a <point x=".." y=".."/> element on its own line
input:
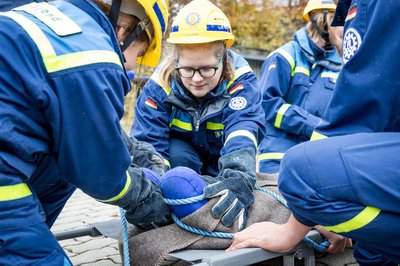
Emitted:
<point x="168" y="72"/>
<point x="319" y="18"/>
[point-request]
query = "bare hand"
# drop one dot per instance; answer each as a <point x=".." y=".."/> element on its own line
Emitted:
<point x="265" y="235"/>
<point x="338" y="243"/>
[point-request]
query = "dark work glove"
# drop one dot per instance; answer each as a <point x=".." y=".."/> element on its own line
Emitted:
<point x="237" y="181"/>
<point x="144" y="155"/>
<point x="143" y="202"/>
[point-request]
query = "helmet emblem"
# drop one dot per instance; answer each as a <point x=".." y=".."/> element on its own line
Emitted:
<point x="193" y="19"/>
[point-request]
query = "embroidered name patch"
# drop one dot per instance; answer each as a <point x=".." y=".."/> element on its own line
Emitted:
<point x="238" y="103"/>
<point x="52" y="17"/>
<point x="351" y="43"/>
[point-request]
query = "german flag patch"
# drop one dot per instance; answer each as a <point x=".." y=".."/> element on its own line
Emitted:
<point x="352" y="12"/>
<point x="236" y="88"/>
<point x="151" y="102"/>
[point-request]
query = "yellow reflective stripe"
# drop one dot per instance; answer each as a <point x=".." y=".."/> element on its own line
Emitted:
<point x="182" y="125"/>
<point x="124" y="190"/>
<point x="242" y="133"/>
<point x="330" y="75"/>
<point x="360" y="220"/>
<point x="43" y="44"/>
<point x="279" y="115"/>
<point x="214" y="126"/>
<point x="62" y="62"/>
<point x="55" y="63"/>
<point x="156" y="78"/>
<point x="271" y="156"/>
<point x="288" y="58"/>
<point x="166" y="162"/>
<point x="13" y="192"/>
<point x="316" y="136"/>
<point x="303" y="70"/>
<point x="238" y="72"/>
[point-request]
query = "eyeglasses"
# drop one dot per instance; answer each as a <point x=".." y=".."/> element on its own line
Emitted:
<point x="205" y="72"/>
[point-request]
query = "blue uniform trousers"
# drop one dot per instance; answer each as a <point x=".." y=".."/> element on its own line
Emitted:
<point x="349" y="184"/>
<point x="50" y="193"/>
<point x="184" y="154"/>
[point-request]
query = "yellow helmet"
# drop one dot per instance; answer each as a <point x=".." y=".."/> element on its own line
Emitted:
<point x="201" y="21"/>
<point x="314" y="5"/>
<point x="157" y="11"/>
<point x="154" y="10"/>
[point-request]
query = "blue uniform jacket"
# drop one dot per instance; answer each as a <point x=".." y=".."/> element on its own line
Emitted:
<point x="366" y="100"/>
<point x="369" y="100"/>
<point x="62" y="85"/>
<point x="227" y="119"/>
<point x="297" y="86"/>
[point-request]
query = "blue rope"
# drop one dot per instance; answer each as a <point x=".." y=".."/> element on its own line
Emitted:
<point x="184" y="201"/>
<point x="200" y="231"/>
<point x="125" y="238"/>
<point x="320" y="247"/>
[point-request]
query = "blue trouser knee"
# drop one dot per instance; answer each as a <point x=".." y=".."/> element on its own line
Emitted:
<point x="184" y="154"/>
<point x="350" y="184"/>
<point x="367" y="257"/>
<point x="31" y="245"/>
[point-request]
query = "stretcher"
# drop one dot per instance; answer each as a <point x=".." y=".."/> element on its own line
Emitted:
<point x="202" y="257"/>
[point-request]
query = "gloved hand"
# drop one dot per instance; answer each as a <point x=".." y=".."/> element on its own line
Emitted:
<point x="144" y="155"/>
<point x="143" y="202"/>
<point x="237" y="181"/>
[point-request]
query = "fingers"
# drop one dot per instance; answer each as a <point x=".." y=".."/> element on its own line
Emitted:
<point x="233" y="212"/>
<point x="225" y="203"/>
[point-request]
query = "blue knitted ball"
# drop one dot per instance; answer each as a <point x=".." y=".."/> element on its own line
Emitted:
<point x="181" y="183"/>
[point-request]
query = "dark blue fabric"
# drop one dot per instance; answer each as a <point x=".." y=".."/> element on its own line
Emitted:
<point x="308" y="94"/>
<point x="6" y="5"/>
<point x="198" y="160"/>
<point x="154" y="124"/>
<point x="367" y="90"/>
<point x="57" y="129"/>
<point x="31" y="245"/>
<point x="50" y="188"/>
<point x="366" y="257"/>
<point x="330" y="181"/>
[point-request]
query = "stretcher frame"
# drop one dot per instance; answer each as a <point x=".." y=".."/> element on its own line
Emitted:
<point x="203" y="257"/>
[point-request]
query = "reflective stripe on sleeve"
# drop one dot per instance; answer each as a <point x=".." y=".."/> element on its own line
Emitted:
<point x="214" y="126"/>
<point x="271" y="156"/>
<point x="238" y="72"/>
<point x="279" y="115"/>
<point x="166" y="162"/>
<point x="124" y="190"/>
<point x="360" y="220"/>
<point x="157" y="79"/>
<point x="55" y="63"/>
<point x="180" y="124"/>
<point x="303" y="70"/>
<point x="242" y="133"/>
<point x="13" y="192"/>
<point x="330" y="75"/>
<point x="289" y="58"/>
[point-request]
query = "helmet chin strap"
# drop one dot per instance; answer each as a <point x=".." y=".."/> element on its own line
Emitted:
<point x="142" y="26"/>
<point x="114" y="12"/>
<point x="323" y="32"/>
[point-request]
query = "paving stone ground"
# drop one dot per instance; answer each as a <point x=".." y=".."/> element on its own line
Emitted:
<point x="82" y="211"/>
